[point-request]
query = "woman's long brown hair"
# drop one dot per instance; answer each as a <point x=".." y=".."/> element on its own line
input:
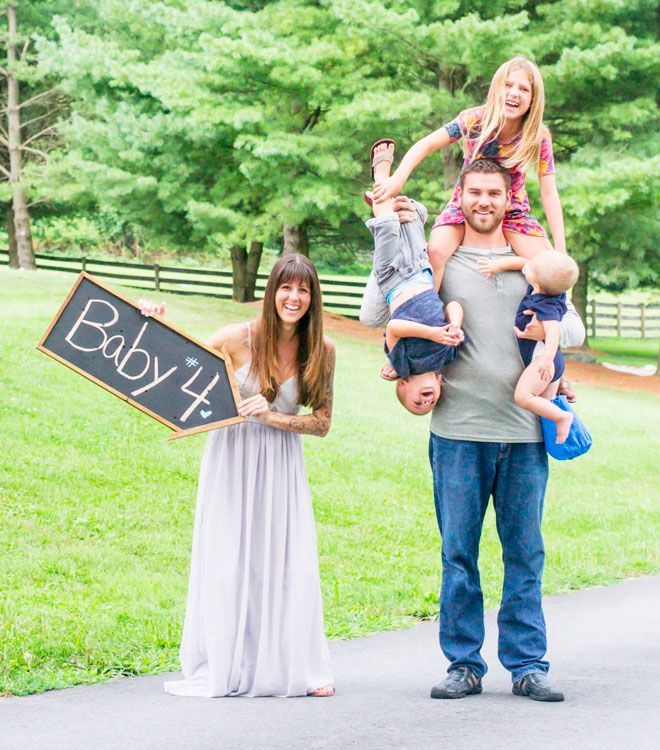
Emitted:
<point x="312" y="356"/>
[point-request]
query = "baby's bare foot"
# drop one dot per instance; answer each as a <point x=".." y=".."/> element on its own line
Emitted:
<point x="564" y="427"/>
<point x="382" y="168"/>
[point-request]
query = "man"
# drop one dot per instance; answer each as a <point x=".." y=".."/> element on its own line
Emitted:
<point x="483" y="445"/>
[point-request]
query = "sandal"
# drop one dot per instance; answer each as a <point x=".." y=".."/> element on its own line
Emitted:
<point x="382" y="156"/>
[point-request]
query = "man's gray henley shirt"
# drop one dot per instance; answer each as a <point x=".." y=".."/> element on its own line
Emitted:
<point x="477" y="393"/>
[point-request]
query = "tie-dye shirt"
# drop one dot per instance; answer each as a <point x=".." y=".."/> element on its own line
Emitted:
<point x="517" y="217"/>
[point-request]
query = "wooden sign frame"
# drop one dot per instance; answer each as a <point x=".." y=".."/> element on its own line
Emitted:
<point x="224" y="356"/>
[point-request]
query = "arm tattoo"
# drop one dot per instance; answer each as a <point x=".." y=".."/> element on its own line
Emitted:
<point x="318" y="422"/>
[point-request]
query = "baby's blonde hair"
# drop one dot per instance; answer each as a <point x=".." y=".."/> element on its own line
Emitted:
<point x="528" y="150"/>
<point x="554" y="272"/>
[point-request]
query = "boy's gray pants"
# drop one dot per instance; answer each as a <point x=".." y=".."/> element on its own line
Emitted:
<point x="399" y="253"/>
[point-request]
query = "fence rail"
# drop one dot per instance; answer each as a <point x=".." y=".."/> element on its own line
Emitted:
<point x="341" y="294"/>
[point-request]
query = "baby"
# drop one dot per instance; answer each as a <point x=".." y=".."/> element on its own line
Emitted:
<point x="550" y="275"/>
<point x="422" y="335"/>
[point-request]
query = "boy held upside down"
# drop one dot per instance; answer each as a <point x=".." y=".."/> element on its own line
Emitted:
<point x="549" y="275"/>
<point x="422" y="335"/>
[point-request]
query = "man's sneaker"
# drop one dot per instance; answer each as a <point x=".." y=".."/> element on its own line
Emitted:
<point x="538" y="687"/>
<point x="460" y="682"/>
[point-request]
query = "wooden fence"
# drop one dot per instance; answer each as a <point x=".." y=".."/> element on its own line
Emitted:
<point x="341" y="294"/>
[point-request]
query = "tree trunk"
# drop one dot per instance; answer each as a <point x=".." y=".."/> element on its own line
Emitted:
<point x="295" y="239"/>
<point x="579" y="295"/>
<point x="239" y="272"/>
<point x="24" y="247"/>
<point x="11" y="233"/>
<point x="245" y="265"/>
<point x="253" y="261"/>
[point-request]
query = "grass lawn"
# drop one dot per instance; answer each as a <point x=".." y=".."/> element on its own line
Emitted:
<point x="96" y="506"/>
<point x="626" y="351"/>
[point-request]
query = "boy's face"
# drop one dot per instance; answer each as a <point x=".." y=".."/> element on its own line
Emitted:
<point x="419" y="393"/>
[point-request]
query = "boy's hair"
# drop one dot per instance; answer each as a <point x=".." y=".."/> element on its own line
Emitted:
<point x="555" y="272"/>
<point x="485" y="166"/>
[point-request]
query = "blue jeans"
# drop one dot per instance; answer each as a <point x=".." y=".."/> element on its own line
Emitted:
<point x="465" y="475"/>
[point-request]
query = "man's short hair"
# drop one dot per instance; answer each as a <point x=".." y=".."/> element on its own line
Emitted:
<point x="485" y="166"/>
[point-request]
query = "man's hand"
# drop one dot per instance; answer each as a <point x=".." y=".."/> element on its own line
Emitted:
<point x="404" y="209"/>
<point x="567" y="390"/>
<point x="534" y="330"/>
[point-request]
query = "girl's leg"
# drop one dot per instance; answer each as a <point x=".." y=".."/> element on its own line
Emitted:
<point x="527" y="245"/>
<point x="443" y="242"/>
<point x="532" y="393"/>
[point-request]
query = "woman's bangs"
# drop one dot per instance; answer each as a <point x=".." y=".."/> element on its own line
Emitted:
<point x="299" y="272"/>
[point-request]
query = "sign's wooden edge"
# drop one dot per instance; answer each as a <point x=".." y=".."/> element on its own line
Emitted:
<point x="178" y="432"/>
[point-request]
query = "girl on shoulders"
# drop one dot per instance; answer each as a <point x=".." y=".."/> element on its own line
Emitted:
<point x="509" y="129"/>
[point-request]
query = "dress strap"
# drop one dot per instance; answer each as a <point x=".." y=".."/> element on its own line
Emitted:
<point x="249" y="334"/>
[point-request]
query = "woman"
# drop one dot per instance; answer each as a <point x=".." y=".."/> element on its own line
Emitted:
<point x="254" y="618"/>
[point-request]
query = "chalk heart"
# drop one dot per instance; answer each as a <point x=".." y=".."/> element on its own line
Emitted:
<point x="205" y="414"/>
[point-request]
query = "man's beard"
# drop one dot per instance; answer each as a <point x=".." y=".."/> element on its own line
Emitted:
<point x="483" y="224"/>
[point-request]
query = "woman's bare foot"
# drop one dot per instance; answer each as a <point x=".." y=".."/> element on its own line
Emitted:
<point x="564" y="427"/>
<point x="324" y="692"/>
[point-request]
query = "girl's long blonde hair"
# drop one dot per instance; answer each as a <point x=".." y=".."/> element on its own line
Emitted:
<point x="527" y="151"/>
<point x="312" y="353"/>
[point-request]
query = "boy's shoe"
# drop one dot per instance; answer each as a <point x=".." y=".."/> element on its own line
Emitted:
<point x="538" y="687"/>
<point x="460" y="682"/>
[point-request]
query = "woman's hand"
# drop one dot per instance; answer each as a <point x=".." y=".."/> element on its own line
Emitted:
<point x="255" y="406"/>
<point x="149" y="308"/>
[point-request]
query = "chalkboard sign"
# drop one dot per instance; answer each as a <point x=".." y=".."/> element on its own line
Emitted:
<point x="149" y="363"/>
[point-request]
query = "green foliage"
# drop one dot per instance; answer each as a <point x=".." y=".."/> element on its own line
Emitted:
<point x="205" y="124"/>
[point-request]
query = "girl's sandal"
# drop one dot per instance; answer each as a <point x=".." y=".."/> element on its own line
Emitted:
<point x="387" y="156"/>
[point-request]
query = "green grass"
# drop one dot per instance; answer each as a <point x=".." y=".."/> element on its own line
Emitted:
<point x="96" y="506"/>
<point x="625" y="351"/>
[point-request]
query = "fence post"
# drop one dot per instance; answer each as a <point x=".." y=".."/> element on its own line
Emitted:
<point x="157" y="277"/>
<point x="83" y="263"/>
<point x="618" y="319"/>
<point x="642" y="318"/>
<point x="593" y="318"/>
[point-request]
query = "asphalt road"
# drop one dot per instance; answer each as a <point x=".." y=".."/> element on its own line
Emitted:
<point x="605" y="654"/>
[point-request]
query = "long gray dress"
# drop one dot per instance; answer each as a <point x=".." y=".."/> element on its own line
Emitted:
<point x="254" y="616"/>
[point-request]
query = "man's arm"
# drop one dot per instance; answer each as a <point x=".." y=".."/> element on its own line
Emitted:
<point x="571" y="329"/>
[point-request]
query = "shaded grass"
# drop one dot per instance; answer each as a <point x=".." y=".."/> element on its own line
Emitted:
<point x="626" y="351"/>
<point x="96" y="507"/>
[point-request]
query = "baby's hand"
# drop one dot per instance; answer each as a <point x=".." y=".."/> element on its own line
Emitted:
<point x="456" y="331"/>
<point x="445" y="336"/>
<point x="488" y="267"/>
<point x="545" y="368"/>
